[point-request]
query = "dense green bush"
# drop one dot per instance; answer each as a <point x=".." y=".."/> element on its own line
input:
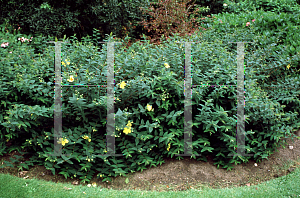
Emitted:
<point x="59" y="18"/>
<point x="281" y="32"/>
<point x="277" y="6"/>
<point x="39" y="17"/>
<point x="209" y="7"/>
<point x="118" y="16"/>
<point x="149" y="110"/>
<point x="205" y="7"/>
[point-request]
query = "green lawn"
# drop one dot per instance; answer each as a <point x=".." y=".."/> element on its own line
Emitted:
<point x="11" y="186"/>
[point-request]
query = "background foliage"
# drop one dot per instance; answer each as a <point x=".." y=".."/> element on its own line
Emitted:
<point x="276" y="6"/>
<point x="58" y="18"/>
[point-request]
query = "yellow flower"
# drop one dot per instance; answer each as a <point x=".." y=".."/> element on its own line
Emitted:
<point x="167" y="65"/>
<point x="94" y="184"/>
<point x="62" y="141"/>
<point x="288" y="66"/>
<point x="127" y="130"/>
<point x="85" y="137"/>
<point x="129" y="124"/>
<point x="169" y="145"/>
<point x="149" y="107"/>
<point x="122" y="85"/>
<point x="68" y="63"/>
<point x="71" y="79"/>
<point x="64" y="64"/>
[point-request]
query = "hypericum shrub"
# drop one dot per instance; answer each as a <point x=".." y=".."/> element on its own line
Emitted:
<point x="283" y="33"/>
<point x="149" y="105"/>
<point x="278" y="70"/>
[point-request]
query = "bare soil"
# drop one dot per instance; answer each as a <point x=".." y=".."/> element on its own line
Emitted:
<point x="179" y="175"/>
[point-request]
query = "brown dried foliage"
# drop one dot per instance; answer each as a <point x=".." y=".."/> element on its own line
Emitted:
<point x="170" y="13"/>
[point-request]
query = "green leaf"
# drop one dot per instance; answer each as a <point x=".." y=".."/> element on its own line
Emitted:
<point x="60" y="162"/>
<point x="157" y="102"/>
<point x="136" y="141"/>
<point x="70" y="162"/>
<point x="150" y="129"/>
<point x="141" y="108"/>
<point x="292" y="48"/>
<point x="126" y="180"/>
<point x="65" y="158"/>
<point x="53" y="170"/>
<point x="49" y="149"/>
<point x="3" y="102"/>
